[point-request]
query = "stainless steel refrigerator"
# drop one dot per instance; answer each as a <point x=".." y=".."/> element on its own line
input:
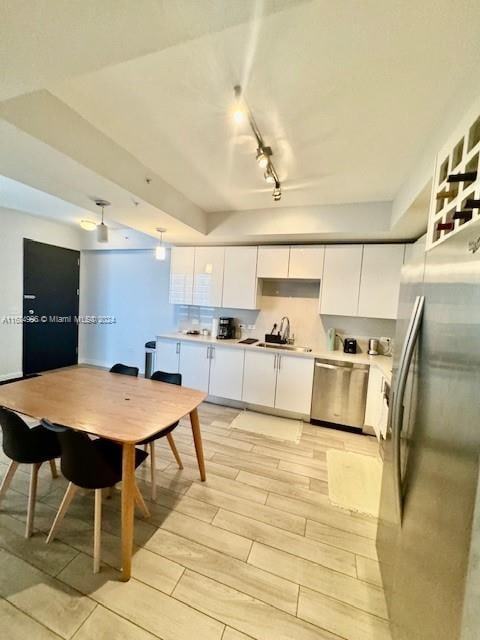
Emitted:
<point x="429" y="532"/>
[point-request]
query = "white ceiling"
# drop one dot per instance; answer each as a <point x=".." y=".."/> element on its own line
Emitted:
<point x="347" y="94"/>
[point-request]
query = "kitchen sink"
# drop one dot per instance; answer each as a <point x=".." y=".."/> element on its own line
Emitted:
<point x="283" y="347"/>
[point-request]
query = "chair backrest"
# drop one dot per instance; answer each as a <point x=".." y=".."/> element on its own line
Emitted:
<point x="163" y="376"/>
<point x="81" y="462"/>
<point x="124" y="369"/>
<point x="16" y="442"/>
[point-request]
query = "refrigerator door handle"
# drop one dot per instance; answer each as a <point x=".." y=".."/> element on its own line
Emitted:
<point x="398" y="397"/>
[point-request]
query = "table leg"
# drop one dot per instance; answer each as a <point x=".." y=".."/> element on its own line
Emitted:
<point x="197" y="440"/>
<point x="128" y="507"/>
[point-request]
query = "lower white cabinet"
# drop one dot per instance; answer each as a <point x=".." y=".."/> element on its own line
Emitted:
<point x="260" y="378"/>
<point x="294" y="384"/>
<point x="195" y="365"/>
<point x="167" y="355"/>
<point x="226" y="372"/>
<point x="376" y="410"/>
<point x="279" y="381"/>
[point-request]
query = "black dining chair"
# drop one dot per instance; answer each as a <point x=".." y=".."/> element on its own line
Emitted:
<point x="24" y="445"/>
<point x="171" y="378"/>
<point x="90" y="464"/>
<point x="125" y="370"/>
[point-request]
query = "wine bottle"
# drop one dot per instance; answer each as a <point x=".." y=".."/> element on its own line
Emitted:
<point x="447" y="193"/>
<point x="472" y="204"/>
<point x="469" y="176"/>
<point x="463" y="215"/>
<point x="445" y="226"/>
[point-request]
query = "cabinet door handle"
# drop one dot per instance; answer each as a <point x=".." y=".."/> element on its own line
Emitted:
<point x="212" y="353"/>
<point x="178" y="348"/>
<point x="279" y="362"/>
<point x="208" y="352"/>
<point x="275" y="361"/>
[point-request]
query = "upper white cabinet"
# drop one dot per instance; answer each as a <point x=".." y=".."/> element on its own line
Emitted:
<point x="240" y="284"/>
<point x="181" y="275"/>
<point x="226" y="372"/>
<point x="380" y="281"/>
<point x="341" y="280"/>
<point x="273" y="262"/>
<point x="208" y="276"/>
<point x="195" y="365"/>
<point x="294" y="384"/>
<point x="306" y="262"/>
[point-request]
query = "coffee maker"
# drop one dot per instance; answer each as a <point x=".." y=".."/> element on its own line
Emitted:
<point x="226" y="328"/>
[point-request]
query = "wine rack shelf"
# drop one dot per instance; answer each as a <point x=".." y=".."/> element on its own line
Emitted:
<point x="455" y="200"/>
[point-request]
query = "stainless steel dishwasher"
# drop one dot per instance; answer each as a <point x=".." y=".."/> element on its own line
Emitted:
<point x="339" y="392"/>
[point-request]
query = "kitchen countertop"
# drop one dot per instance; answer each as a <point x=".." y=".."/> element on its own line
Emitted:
<point x="384" y="363"/>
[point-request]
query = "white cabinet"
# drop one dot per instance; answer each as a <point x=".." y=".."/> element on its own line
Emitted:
<point x="240" y="285"/>
<point x="376" y="410"/>
<point x="306" y="262"/>
<point x="208" y="276"/>
<point x="167" y="355"/>
<point x="194" y="365"/>
<point x="380" y="281"/>
<point x="276" y="380"/>
<point x="294" y="384"/>
<point x="260" y="377"/>
<point x="341" y="280"/>
<point x="273" y="262"/>
<point x="181" y="275"/>
<point x="226" y="372"/>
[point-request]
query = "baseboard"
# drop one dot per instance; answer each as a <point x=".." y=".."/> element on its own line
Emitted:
<point x="9" y="376"/>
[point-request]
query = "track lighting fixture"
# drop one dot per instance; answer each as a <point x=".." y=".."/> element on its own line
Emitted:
<point x="262" y="158"/>
<point x="264" y="152"/>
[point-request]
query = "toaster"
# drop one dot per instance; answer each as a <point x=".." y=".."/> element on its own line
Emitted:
<point x="350" y="345"/>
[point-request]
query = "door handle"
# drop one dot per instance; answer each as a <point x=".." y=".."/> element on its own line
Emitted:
<point x="399" y="394"/>
<point x="29" y="297"/>
<point x="323" y="365"/>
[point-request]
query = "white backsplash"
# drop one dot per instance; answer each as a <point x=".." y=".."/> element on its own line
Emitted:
<point x="299" y="301"/>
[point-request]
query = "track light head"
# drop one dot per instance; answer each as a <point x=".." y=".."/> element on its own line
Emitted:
<point x="262" y="157"/>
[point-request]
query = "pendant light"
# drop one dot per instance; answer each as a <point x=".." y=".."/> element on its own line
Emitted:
<point x="160" y="249"/>
<point x="102" y="229"/>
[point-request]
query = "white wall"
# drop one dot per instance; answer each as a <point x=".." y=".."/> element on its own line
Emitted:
<point x="14" y="227"/>
<point x="132" y="287"/>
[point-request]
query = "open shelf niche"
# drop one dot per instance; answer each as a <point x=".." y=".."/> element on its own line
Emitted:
<point x="450" y="209"/>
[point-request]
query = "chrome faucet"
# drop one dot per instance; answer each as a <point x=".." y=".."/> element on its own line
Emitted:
<point x="284" y="331"/>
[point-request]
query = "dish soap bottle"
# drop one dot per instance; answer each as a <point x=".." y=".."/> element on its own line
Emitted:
<point x="331" y="333"/>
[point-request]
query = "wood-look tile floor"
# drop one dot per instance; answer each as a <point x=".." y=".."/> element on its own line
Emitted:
<point x="257" y="551"/>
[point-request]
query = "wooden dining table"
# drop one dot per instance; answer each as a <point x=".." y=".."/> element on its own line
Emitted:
<point x="121" y="408"/>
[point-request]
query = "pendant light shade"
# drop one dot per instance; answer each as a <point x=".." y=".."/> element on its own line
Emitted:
<point x="160" y="252"/>
<point x="102" y="229"/>
<point x="160" y="249"/>
<point x="102" y="233"/>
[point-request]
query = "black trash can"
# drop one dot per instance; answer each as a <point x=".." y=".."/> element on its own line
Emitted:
<point x="150" y="352"/>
